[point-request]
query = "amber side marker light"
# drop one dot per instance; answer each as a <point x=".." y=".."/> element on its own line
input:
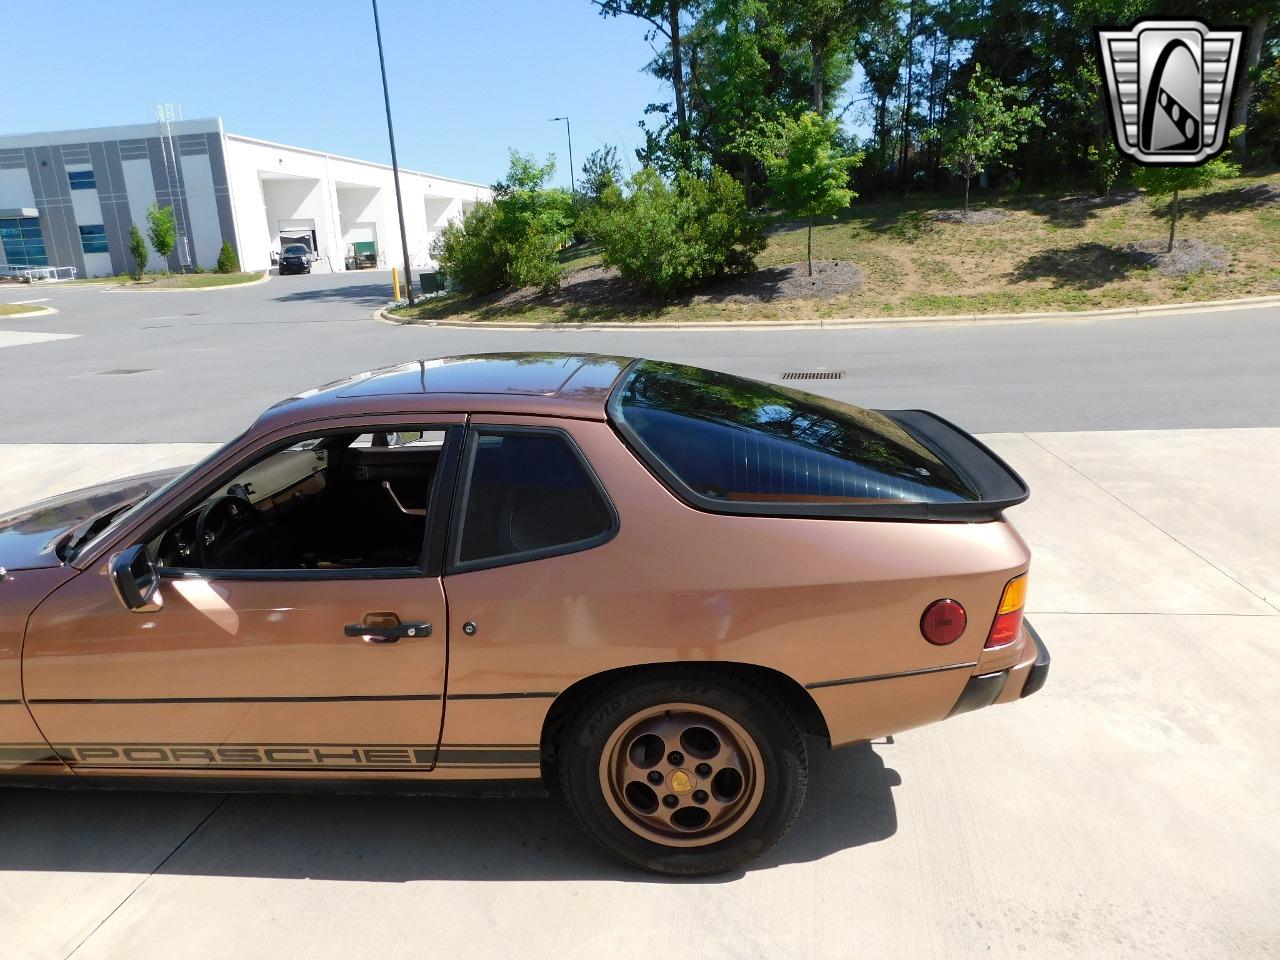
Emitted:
<point x="943" y="622"/>
<point x="1008" y="621"/>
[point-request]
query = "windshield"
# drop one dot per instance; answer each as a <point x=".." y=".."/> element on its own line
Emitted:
<point x="123" y="518"/>
<point x="295" y="250"/>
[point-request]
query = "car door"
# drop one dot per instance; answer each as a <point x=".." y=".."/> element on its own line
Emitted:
<point x="296" y="672"/>
<point x="529" y="575"/>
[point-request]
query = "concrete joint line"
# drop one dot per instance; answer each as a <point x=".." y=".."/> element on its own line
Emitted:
<point x="1151" y="523"/>
<point x="156" y="869"/>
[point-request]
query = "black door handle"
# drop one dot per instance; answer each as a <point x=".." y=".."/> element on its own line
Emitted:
<point x="387" y="633"/>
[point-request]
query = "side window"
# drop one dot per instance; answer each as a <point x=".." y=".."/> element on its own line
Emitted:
<point x="327" y="502"/>
<point x="529" y="492"/>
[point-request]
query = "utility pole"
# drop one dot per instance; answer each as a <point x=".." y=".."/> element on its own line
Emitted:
<point x="568" y="133"/>
<point x="395" y="166"/>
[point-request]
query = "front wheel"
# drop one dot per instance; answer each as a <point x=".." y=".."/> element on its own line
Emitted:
<point x="688" y="776"/>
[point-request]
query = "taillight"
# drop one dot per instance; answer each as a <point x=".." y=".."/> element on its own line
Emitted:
<point x="943" y="622"/>
<point x="1008" y="621"/>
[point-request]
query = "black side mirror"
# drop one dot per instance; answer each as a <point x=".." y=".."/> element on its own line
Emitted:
<point x="135" y="580"/>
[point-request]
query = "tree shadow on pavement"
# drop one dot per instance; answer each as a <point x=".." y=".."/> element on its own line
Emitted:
<point x="393" y="839"/>
<point x="363" y="293"/>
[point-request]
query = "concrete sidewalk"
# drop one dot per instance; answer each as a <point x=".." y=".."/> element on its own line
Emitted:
<point x="1128" y="810"/>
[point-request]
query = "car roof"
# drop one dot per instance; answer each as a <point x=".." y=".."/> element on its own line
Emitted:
<point x="575" y="385"/>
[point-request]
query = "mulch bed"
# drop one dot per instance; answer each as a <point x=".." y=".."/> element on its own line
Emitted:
<point x="602" y="286"/>
<point x="972" y="217"/>
<point x="1189" y="256"/>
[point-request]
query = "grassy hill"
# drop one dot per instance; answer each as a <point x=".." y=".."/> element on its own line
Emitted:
<point x="1048" y="252"/>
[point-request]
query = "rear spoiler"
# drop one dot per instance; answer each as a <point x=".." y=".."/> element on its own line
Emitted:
<point x="997" y="484"/>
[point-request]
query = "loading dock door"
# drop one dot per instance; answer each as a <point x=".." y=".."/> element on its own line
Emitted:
<point x="297" y="231"/>
<point x="362" y="246"/>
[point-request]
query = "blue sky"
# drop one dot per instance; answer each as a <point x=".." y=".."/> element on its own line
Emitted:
<point x="468" y="79"/>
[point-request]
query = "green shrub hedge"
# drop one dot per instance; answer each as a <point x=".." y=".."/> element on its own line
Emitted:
<point x="667" y="237"/>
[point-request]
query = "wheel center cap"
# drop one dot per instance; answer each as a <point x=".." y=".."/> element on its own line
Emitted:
<point x="680" y="782"/>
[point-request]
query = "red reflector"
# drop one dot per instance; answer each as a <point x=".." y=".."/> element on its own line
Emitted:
<point x="943" y="622"/>
<point x="1005" y="629"/>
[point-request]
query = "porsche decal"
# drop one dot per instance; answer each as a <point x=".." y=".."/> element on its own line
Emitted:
<point x="277" y="756"/>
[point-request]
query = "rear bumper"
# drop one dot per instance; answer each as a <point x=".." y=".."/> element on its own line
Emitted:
<point x="1022" y="680"/>
<point x="1039" y="671"/>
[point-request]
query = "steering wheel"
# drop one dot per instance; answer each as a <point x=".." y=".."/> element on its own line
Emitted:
<point x="226" y="522"/>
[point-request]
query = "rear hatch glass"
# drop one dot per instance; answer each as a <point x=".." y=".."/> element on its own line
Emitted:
<point x="731" y="440"/>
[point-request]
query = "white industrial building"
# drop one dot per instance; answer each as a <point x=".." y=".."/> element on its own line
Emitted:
<point x="68" y="199"/>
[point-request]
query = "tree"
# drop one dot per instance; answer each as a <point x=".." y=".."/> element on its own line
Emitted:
<point x="162" y="230"/>
<point x="881" y="49"/>
<point x="989" y="121"/>
<point x="808" y="173"/>
<point x="1162" y="181"/>
<point x="228" y="262"/>
<point x="1106" y="166"/>
<point x="663" y="17"/>
<point x="138" y="251"/>
<point x="600" y="171"/>
<point x="825" y="27"/>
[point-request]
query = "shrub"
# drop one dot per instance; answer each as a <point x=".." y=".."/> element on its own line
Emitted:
<point x="666" y="237"/>
<point x="467" y="252"/>
<point x="138" y="251"/>
<point x="512" y="240"/>
<point x="1104" y="164"/>
<point x="228" y="262"/>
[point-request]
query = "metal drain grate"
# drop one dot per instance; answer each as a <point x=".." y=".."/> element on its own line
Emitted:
<point x="813" y="375"/>
<point x="123" y="372"/>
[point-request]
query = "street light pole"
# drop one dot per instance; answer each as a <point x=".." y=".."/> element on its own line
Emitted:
<point x="568" y="133"/>
<point x="395" y="166"/>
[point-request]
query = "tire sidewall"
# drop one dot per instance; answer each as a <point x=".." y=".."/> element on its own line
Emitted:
<point x="775" y="736"/>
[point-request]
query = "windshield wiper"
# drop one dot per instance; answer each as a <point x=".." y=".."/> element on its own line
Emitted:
<point x="74" y="539"/>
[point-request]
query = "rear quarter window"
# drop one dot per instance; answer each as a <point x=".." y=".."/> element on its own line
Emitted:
<point x="733" y="440"/>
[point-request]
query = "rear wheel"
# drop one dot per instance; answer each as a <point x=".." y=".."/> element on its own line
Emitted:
<point x="689" y="776"/>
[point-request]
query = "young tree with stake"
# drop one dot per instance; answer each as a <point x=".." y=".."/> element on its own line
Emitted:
<point x="808" y="171"/>
<point x="1158" y="182"/>
<point x="162" y="231"/>
<point x="988" y="121"/>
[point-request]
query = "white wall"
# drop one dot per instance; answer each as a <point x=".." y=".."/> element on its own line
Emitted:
<point x="346" y="198"/>
<point x="15" y="189"/>
<point x="142" y="193"/>
<point x="206" y="240"/>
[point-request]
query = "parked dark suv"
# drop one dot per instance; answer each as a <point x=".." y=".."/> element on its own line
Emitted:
<point x="295" y="258"/>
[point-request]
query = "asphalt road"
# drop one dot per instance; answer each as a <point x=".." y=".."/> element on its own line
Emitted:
<point x="195" y="366"/>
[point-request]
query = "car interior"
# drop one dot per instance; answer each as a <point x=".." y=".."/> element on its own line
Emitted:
<point x="333" y="502"/>
<point x="528" y="492"/>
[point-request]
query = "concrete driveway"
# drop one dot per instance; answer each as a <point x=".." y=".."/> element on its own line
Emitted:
<point x="1127" y="810"/>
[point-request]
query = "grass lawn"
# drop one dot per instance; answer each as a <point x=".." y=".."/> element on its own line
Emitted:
<point x="177" y="281"/>
<point x="18" y="309"/>
<point x="1048" y="254"/>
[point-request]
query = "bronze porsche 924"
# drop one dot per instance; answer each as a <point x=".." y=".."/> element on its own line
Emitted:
<point x="637" y="583"/>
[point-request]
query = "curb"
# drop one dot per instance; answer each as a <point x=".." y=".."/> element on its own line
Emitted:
<point x="1207" y="306"/>
<point x="35" y="312"/>
<point x="121" y="288"/>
